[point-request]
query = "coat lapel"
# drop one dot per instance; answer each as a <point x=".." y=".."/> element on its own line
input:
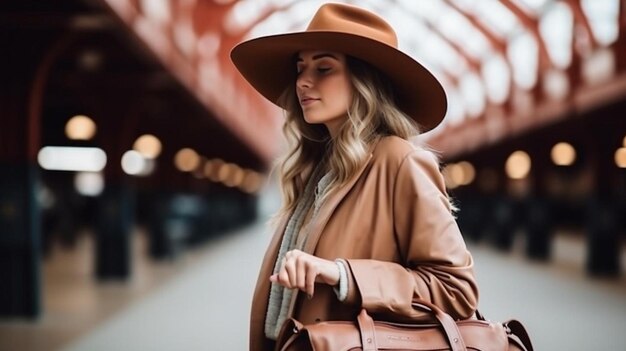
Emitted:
<point x="262" y="290"/>
<point x="316" y="226"/>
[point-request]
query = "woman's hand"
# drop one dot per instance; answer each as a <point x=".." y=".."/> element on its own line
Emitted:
<point x="301" y="270"/>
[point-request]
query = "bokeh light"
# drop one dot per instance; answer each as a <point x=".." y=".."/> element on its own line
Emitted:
<point x="563" y="154"/>
<point x="518" y="165"/>
<point x="620" y="157"/>
<point x="89" y="183"/>
<point x="186" y="160"/>
<point x="148" y="146"/>
<point x="80" y="127"/>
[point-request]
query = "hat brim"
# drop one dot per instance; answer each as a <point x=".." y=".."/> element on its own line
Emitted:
<point x="265" y="63"/>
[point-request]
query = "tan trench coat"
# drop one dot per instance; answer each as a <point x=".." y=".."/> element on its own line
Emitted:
<point x="393" y="225"/>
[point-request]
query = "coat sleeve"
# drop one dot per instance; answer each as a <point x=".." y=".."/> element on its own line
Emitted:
<point x="435" y="264"/>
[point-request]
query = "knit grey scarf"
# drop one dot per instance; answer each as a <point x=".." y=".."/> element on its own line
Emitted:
<point x="280" y="297"/>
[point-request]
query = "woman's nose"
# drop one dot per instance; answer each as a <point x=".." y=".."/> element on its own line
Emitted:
<point x="304" y="80"/>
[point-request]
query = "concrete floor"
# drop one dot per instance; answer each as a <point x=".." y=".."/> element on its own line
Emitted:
<point x="201" y="300"/>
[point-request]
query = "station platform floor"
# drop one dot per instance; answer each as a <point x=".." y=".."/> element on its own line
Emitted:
<point x="200" y="300"/>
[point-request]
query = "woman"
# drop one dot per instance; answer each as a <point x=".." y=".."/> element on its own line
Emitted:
<point x="366" y="221"/>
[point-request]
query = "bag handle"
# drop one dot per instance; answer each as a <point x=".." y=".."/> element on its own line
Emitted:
<point x="366" y="328"/>
<point x="451" y="331"/>
<point x="449" y="326"/>
<point x="519" y="334"/>
<point x="288" y="334"/>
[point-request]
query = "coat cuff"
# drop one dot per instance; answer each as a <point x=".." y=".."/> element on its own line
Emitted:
<point x="354" y="295"/>
<point x="341" y="290"/>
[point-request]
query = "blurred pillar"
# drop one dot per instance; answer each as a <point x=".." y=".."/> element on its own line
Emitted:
<point x="26" y="59"/>
<point x="470" y="216"/>
<point x="538" y="210"/>
<point x="603" y="244"/>
<point x="538" y="228"/>
<point x="114" y="226"/>
<point x="499" y="207"/>
<point x="20" y="261"/>
<point x="603" y="240"/>
<point x="116" y="205"/>
<point x="505" y="210"/>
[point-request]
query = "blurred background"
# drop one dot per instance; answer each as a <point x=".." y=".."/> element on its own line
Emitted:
<point x="135" y="164"/>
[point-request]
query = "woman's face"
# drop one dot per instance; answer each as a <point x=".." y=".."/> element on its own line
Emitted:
<point x="323" y="88"/>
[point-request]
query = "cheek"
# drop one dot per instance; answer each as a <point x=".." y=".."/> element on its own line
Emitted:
<point x="343" y="94"/>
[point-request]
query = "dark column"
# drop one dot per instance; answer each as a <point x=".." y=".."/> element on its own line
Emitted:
<point x="116" y="205"/>
<point x="602" y="219"/>
<point x="504" y="214"/>
<point x="603" y="244"/>
<point x="25" y="61"/>
<point x="538" y="211"/>
<point x="117" y="111"/>
<point x="538" y="228"/>
<point x="157" y="206"/>
<point x="470" y="217"/>
<point x="500" y="208"/>
<point x="20" y="261"/>
<point x="114" y="225"/>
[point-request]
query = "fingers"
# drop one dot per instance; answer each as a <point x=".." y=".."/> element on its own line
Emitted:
<point x="309" y="285"/>
<point x="291" y="272"/>
<point x="301" y="274"/>
<point x="298" y="270"/>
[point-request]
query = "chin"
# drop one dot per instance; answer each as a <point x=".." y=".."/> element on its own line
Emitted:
<point x="311" y="120"/>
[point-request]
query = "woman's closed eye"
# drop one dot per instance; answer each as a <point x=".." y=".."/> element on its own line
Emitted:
<point x="320" y="70"/>
<point x="323" y="69"/>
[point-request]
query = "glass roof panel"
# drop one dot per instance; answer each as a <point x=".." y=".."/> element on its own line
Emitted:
<point x="556" y="27"/>
<point x="157" y="10"/>
<point x="279" y="3"/>
<point x="496" y="78"/>
<point x="243" y="14"/>
<point x="603" y="19"/>
<point x="294" y="18"/>
<point x="435" y="50"/>
<point x="523" y="55"/>
<point x="535" y="6"/>
<point x="456" y="27"/>
<point x="456" y="112"/>
<point x="493" y="14"/>
<point x="473" y="94"/>
<point x="452" y="25"/>
<point x="428" y="9"/>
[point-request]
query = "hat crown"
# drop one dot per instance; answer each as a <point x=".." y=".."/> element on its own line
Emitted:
<point x="353" y="20"/>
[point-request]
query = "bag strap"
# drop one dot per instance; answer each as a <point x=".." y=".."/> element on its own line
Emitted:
<point x="449" y="326"/>
<point x="518" y="334"/>
<point x="288" y="333"/>
<point x="368" y="334"/>
<point x="451" y="331"/>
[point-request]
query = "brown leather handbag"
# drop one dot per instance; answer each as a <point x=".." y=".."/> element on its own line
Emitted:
<point x="368" y="335"/>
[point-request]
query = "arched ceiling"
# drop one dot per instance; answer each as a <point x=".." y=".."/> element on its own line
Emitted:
<point x="507" y="65"/>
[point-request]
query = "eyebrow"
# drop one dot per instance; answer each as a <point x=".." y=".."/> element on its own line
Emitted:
<point x="319" y="56"/>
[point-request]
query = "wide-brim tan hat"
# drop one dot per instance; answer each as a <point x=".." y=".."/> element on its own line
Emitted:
<point x="267" y="63"/>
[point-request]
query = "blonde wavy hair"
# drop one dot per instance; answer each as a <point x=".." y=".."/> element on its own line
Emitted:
<point x="373" y="113"/>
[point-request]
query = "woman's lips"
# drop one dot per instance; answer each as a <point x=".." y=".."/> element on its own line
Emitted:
<point x="307" y="101"/>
